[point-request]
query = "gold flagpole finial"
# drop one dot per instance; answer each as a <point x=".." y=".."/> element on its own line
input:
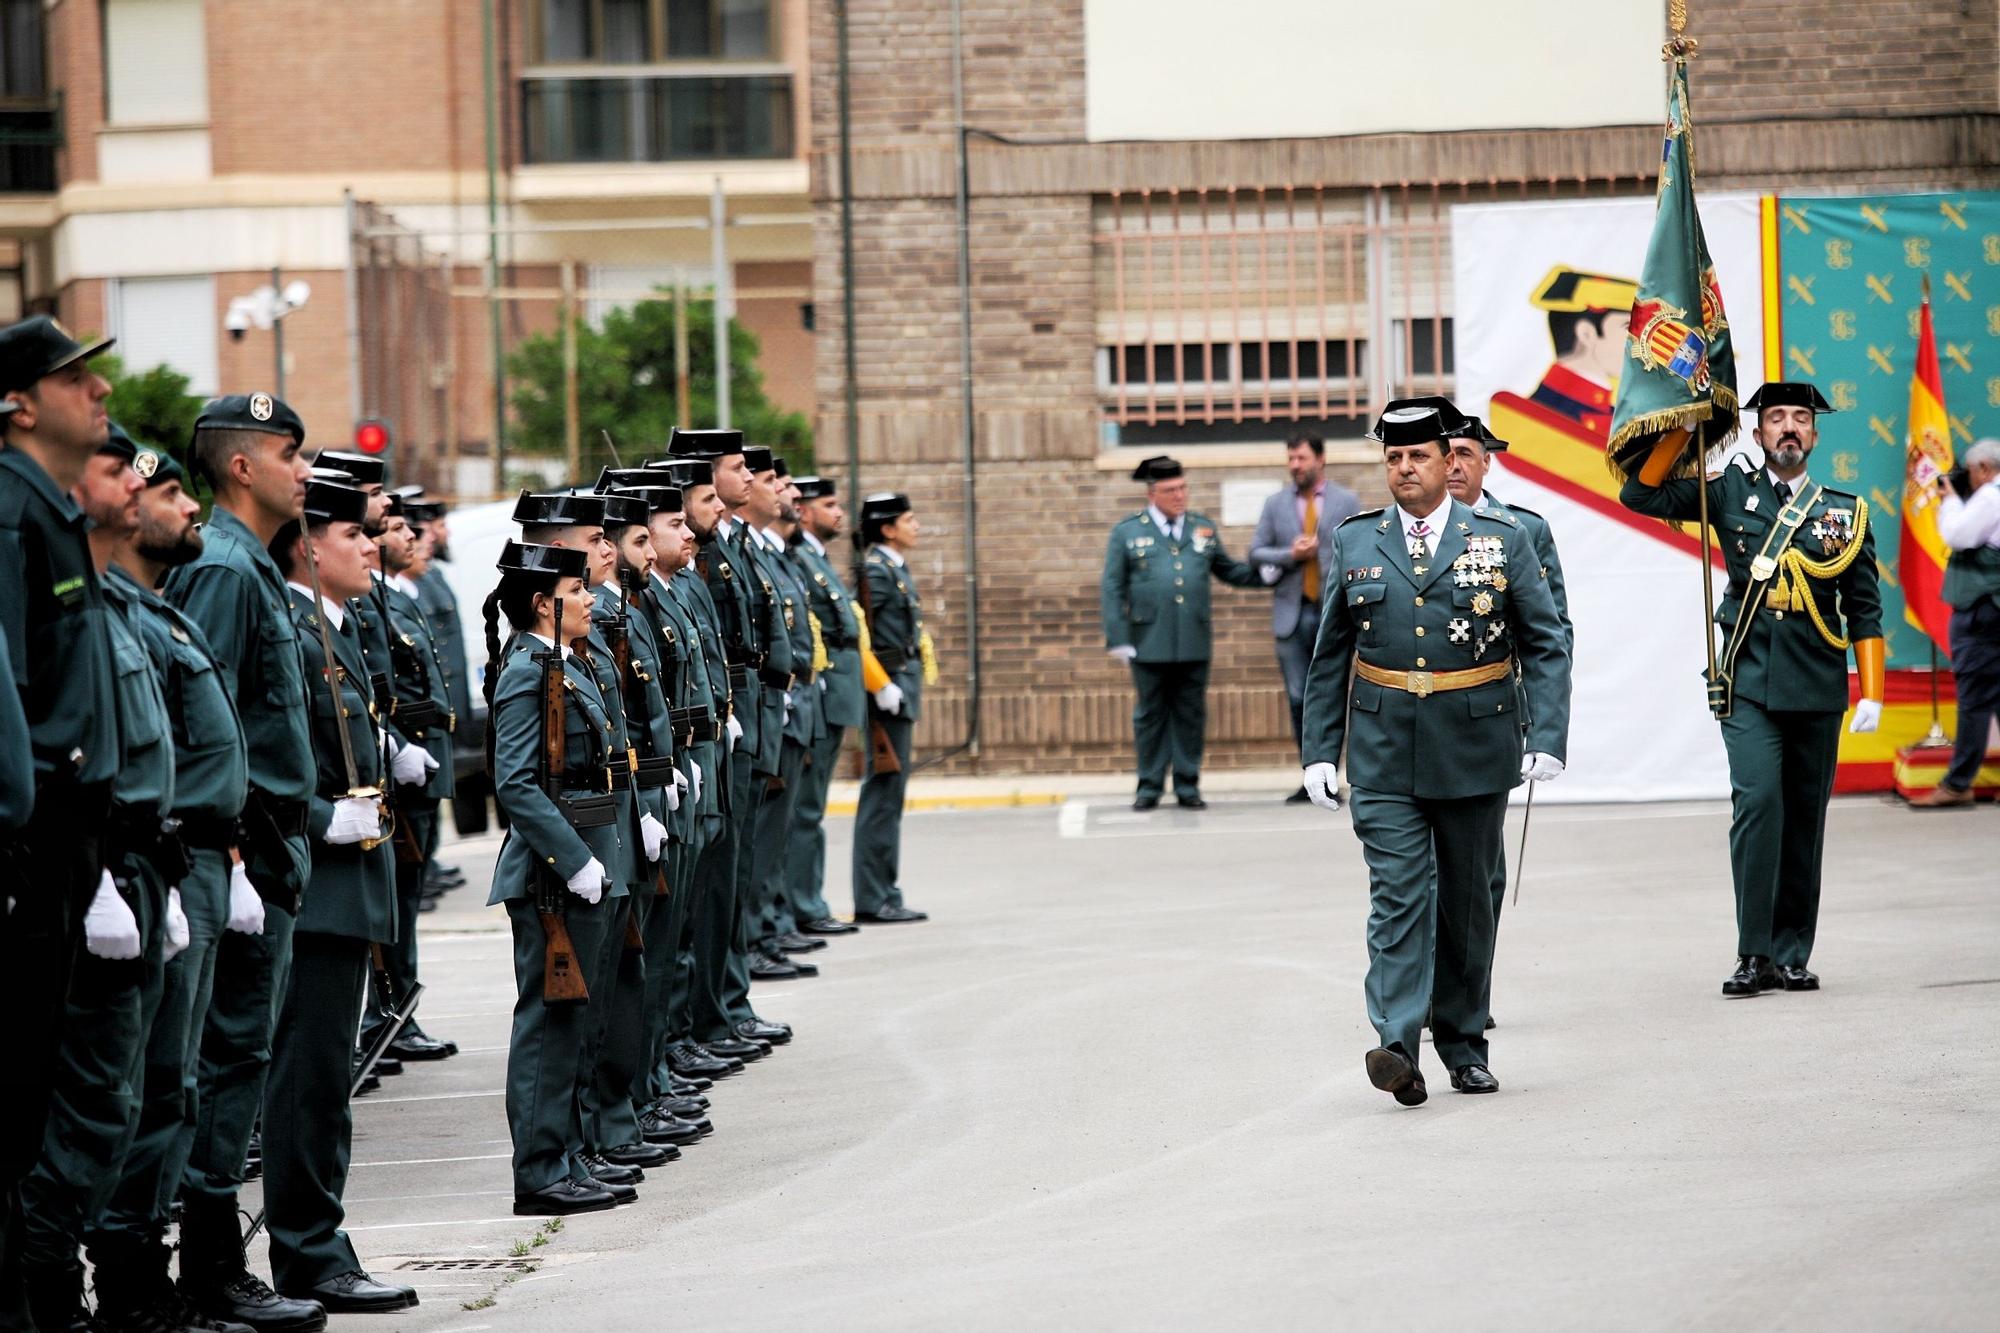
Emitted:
<point x="1680" y="46"/>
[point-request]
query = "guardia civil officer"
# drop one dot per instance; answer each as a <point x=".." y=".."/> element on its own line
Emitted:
<point x="247" y="447"/>
<point x="1414" y="674"/>
<point x="52" y="617"/>
<point x="1802" y="588"/>
<point x="1969" y="522"/>
<point x="1154" y="595"/>
<point x="896" y="639"/>
<point x="554" y="871"/>
<point x="440" y="607"/>
<point x="133" y="922"/>
<point x="127" y="1243"/>
<point x="843" y="702"/>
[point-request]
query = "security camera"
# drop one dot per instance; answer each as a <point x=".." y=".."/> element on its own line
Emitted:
<point x="297" y="292"/>
<point x="237" y="321"/>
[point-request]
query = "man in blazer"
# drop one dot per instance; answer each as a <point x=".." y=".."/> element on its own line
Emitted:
<point x="1286" y="549"/>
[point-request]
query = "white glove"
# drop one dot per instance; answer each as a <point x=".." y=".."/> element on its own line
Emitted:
<point x="1270" y="574"/>
<point x="1539" y="767"/>
<point x="653" y="834"/>
<point x="1867" y="715"/>
<point x="412" y="766"/>
<point x="246" y="909"/>
<point x="177" y="926"/>
<point x="788" y="705"/>
<point x="355" y="819"/>
<point x="109" y="928"/>
<point x="694" y="782"/>
<point x="588" y="883"/>
<point x="1124" y="652"/>
<point x="735" y="729"/>
<point x="671" y="793"/>
<point x="890" y="698"/>
<point x="1323" y="785"/>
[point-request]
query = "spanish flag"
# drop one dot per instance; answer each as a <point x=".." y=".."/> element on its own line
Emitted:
<point x="1921" y="556"/>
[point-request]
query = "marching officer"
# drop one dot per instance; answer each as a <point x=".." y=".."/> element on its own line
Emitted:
<point x="248" y="449"/>
<point x="893" y="616"/>
<point x="842" y="701"/>
<point x="1414" y="674"/>
<point x="1156" y="621"/>
<point x="127" y="1242"/>
<point x="52" y="616"/>
<point x="1801" y="563"/>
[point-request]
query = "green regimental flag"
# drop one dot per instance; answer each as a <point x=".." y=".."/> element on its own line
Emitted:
<point x="1685" y="376"/>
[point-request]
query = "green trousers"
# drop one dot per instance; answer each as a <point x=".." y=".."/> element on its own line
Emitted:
<point x="878" y="823"/>
<point x="308" y="1147"/>
<point x="679" y="926"/>
<point x="663" y="928"/>
<point x="250" y="978"/>
<point x="805" y="849"/>
<point x="545" y="1051"/>
<point x="1781" y="769"/>
<point x="401" y="957"/>
<point x="773" y="916"/>
<point x="152" y="1172"/>
<point x="99" y="1067"/>
<point x="1169" y="725"/>
<point x="722" y="989"/>
<point x="616" y="1057"/>
<point x="1430" y="918"/>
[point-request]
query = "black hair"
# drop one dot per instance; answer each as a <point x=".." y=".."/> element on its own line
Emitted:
<point x="286" y="540"/>
<point x="870" y="530"/>
<point x="514" y="596"/>
<point x="1562" y="327"/>
<point x="1310" y="441"/>
<point x="214" y="446"/>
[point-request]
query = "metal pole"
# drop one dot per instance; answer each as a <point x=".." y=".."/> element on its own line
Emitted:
<point x="572" y="429"/>
<point x="850" y="374"/>
<point x="968" y="434"/>
<point x="718" y="251"/>
<point x="490" y="78"/>
<point x="353" y="284"/>
<point x="278" y="331"/>
<point x="683" y="360"/>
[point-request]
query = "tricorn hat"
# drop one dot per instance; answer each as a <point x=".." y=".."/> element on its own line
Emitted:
<point x="622" y="509"/>
<point x="1477" y="429"/>
<point x="758" y="458"/>
<point x="559" y="509"/>
<point x="333" y="502"/>
<point x="814" y="488"/>
<point x="556" y="561"/>
<point x="364" y="469"/>
<point x="1786" y="393"/>
<point x="657" y="499"/>
<point x="709" y="444"/>
<point x="1417" y="421"/>
<point x="883" y="506"/>
<point x="1158" y="468"/>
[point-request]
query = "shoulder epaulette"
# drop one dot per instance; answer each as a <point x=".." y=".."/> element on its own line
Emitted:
<point x="1497" y="516"/>
<point x="1523" y="509"/>
<point x="1366" y="513"/>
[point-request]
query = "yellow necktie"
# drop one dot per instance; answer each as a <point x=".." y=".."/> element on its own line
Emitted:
<point x="1309" y="571"/>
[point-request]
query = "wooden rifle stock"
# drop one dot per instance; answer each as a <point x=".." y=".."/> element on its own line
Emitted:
<point x="562" y="972"/>
<point x="881" y="750"/>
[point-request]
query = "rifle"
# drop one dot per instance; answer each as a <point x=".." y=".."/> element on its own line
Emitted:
<point x="562" y="972"/>
<point x="881" y="750"/>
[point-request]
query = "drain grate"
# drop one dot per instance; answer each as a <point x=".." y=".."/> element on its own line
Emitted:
<point x="466" y="1266"/>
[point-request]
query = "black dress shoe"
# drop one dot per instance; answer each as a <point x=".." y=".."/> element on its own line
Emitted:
<point x="679" y="1085"/>
<point x="1146" y="803"/>
<point x="372" y="1083"/>
<point x="449" y="876"/>
<point x="1797" y="978"/>
<point x="793" y="942"/>
<point x="1395" y="1074"/>
<point x="756" y="1029"/>
<point x="737" y="1049"/>
<point x="890" y="915"/>
<point x="687" y="1108"/>
<point x="1491" y="1022"/>
<point x="1299" y="797"/>
<point x="659" y="1127"/>
<point x="639" y="1155"/>
<point x="607" y="1172"/>
<point x="1753" y="974"/>
<point x="1474" y="1078"/>
<point x="620" y="1194"/>
<point x="1190" y="803"/>
<point x="253" y="1160"/>
<point x="413" y="1043"/>
<point x="357" y="1293"/>
<point x="388" y="1066"/>
<point x="765" y="968"/>
<point x="691" y="1061"/>
<point x="799" y="966"/>
<point x="826" y="925"/>
<point x="244" y="1298"/>
<point x="564" y="1197"/>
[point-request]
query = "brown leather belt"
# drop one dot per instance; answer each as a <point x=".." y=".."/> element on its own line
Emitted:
<point x="1424" y="683"/>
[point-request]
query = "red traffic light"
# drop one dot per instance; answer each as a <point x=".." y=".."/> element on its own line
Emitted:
<point x="371" y="437"/>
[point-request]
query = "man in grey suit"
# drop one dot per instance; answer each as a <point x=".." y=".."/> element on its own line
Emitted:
<point x="1293" y="544"/>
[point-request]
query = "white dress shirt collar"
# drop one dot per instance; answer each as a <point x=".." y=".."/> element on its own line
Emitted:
<point x="817" y="545"/>
<point x="546" y="643"/>
<point x="1170" y="526"/>
<point x="336" y="614"/>
<point x="895" y="557"/>
<point x="1434" y="521"/>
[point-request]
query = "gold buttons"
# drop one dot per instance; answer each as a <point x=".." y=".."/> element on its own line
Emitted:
<point x="1366" y="623"/>
<point x="1421" y="662"/>
<point x="1180" y="583"/>
<point x="1420" y="631"/>
<point x="1178" y="598"/>
<point x="1420" y="601"/>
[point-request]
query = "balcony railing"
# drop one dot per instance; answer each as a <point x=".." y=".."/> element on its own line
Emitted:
<point x="656" y="118"/>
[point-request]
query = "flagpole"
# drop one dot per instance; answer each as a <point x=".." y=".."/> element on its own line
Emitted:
<point x="1934" y="739"/>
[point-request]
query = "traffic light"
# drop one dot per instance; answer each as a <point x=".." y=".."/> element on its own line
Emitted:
<point x="372" y="438"/>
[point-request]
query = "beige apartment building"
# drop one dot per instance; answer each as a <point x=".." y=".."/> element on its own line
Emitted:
<point x="1187" y="233"/>
<point x="162" y="157"/>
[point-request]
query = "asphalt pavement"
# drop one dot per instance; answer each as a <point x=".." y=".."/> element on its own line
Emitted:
<point x="1116" y="1082"/>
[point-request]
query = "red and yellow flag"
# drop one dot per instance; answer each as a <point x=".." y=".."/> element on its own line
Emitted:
<point x="1922" y="553"/>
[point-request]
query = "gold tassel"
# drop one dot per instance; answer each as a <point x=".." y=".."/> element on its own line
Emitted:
<point x="820" y="660"/>
<point x="928" y="651"/>
<point x="1780" y="596"/>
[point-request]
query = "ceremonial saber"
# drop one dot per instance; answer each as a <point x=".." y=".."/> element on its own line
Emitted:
<point x="1521" y="857"/>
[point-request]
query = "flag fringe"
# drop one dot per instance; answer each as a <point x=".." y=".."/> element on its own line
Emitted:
<point x="1687" y="416"/>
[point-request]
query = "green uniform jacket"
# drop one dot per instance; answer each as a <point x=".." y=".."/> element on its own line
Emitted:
<point x="895" y="624"/>
<point x="639" y="696"/>
<point x="440" y="607"/>
<point x="683" y="682"/>
<point x="720" y="563"/>
<point x="1475" y="603"/>
<point x="631" y="864"/>
<point x="352" y="891"/>
<point x="52" y="618"/>
<point x="17" y="752"/>
<point x="539" y="839"/>
<point x="841" y="694"/>
<point x="775" y="676"/>
<point x="146" y="777"/>
<point x="420" y="678"/>
<point x="806" y="721"/>
<point x="684" y="602"/>
<point x="1544" y="541"/>
<point x="211" y="765"/>
<point x="1155" y="589"/>
<point x="1785" y="663"/>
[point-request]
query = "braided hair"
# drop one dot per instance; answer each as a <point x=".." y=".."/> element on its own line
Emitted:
<point x="514" y="596"/>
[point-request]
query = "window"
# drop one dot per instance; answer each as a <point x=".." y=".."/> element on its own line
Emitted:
<point x="169" y="322"/>
<point x="21" y="56"/>
<point x="28" y="129"/>
<point x="155" y="63"/>
<point x="639" y="32"/>
<point x="657" y="119"/>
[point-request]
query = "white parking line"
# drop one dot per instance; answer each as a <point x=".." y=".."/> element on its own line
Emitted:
<point x="467" y="1222"/>
<point x="435" y="1161"/>
<point x="430" y="1097"/>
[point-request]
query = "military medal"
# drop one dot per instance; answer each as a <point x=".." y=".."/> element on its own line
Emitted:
<point x="1482" y="604"/>
<point x="1499" y="582"/>
<point x="1460" y="630"/>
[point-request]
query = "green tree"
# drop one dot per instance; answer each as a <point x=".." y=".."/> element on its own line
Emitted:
<point x="625" y="385"/>
<point x="154" y="406"/>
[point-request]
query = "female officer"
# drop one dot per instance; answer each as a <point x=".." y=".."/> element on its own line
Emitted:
<point x="558" y="846"/>
<point x="898" y="663"/>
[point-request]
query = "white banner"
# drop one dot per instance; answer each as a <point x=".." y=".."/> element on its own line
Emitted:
<point x="1639" y="727"/>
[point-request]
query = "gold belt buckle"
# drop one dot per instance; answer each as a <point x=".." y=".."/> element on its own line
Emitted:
<point x="1421" y="683"/>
